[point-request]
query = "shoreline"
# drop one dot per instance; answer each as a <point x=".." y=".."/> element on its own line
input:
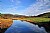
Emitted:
<point x="43" y="24"/>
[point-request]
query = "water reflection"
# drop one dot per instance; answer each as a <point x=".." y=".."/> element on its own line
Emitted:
<point x="24" y="27"/>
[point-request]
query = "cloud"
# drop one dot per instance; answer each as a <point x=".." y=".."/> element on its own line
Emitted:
<point x="11" y="10"/>
<point x="39" y="7"/>
<point x="16" y="2"/>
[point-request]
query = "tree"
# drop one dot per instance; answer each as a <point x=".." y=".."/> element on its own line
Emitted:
<point x="0" y="14"/>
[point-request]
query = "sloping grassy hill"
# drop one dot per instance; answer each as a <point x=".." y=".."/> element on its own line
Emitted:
<point x="47" y="15"/>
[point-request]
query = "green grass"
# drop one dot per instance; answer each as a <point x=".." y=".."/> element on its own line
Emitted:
<point x="39" y="19"/>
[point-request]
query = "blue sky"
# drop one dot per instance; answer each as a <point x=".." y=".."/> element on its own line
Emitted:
<point x="24" y="7"/>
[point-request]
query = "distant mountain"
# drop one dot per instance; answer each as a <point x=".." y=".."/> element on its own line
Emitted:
<point x="47" y="15"/>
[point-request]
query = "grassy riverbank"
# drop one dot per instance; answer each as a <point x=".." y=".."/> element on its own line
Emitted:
<point x="39" y="19"/>
<point x="34" y="19"/>
<point x="5" y="23"/>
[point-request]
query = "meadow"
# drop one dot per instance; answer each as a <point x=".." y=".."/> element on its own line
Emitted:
<point x="39" y="19"/>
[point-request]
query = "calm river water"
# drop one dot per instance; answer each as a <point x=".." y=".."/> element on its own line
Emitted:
<point x="24" y="27"/>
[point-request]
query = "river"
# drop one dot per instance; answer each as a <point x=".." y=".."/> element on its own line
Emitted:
<point x="24" y="27"/>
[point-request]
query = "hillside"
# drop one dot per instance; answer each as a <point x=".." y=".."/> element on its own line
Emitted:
<point x="47" y="15"/>
<point x="9" y="16"/>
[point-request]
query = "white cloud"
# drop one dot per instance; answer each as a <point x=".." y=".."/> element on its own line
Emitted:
<point x="9" y="10"/>
<point x="39" y="7"/>
<point x="12" y="10"/>
<point x="16" y="2"/>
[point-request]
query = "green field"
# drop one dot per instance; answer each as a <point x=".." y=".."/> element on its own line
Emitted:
<point x="39" y="19"/>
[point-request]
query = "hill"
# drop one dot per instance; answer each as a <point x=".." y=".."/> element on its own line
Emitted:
<point x="46" y="15"/>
